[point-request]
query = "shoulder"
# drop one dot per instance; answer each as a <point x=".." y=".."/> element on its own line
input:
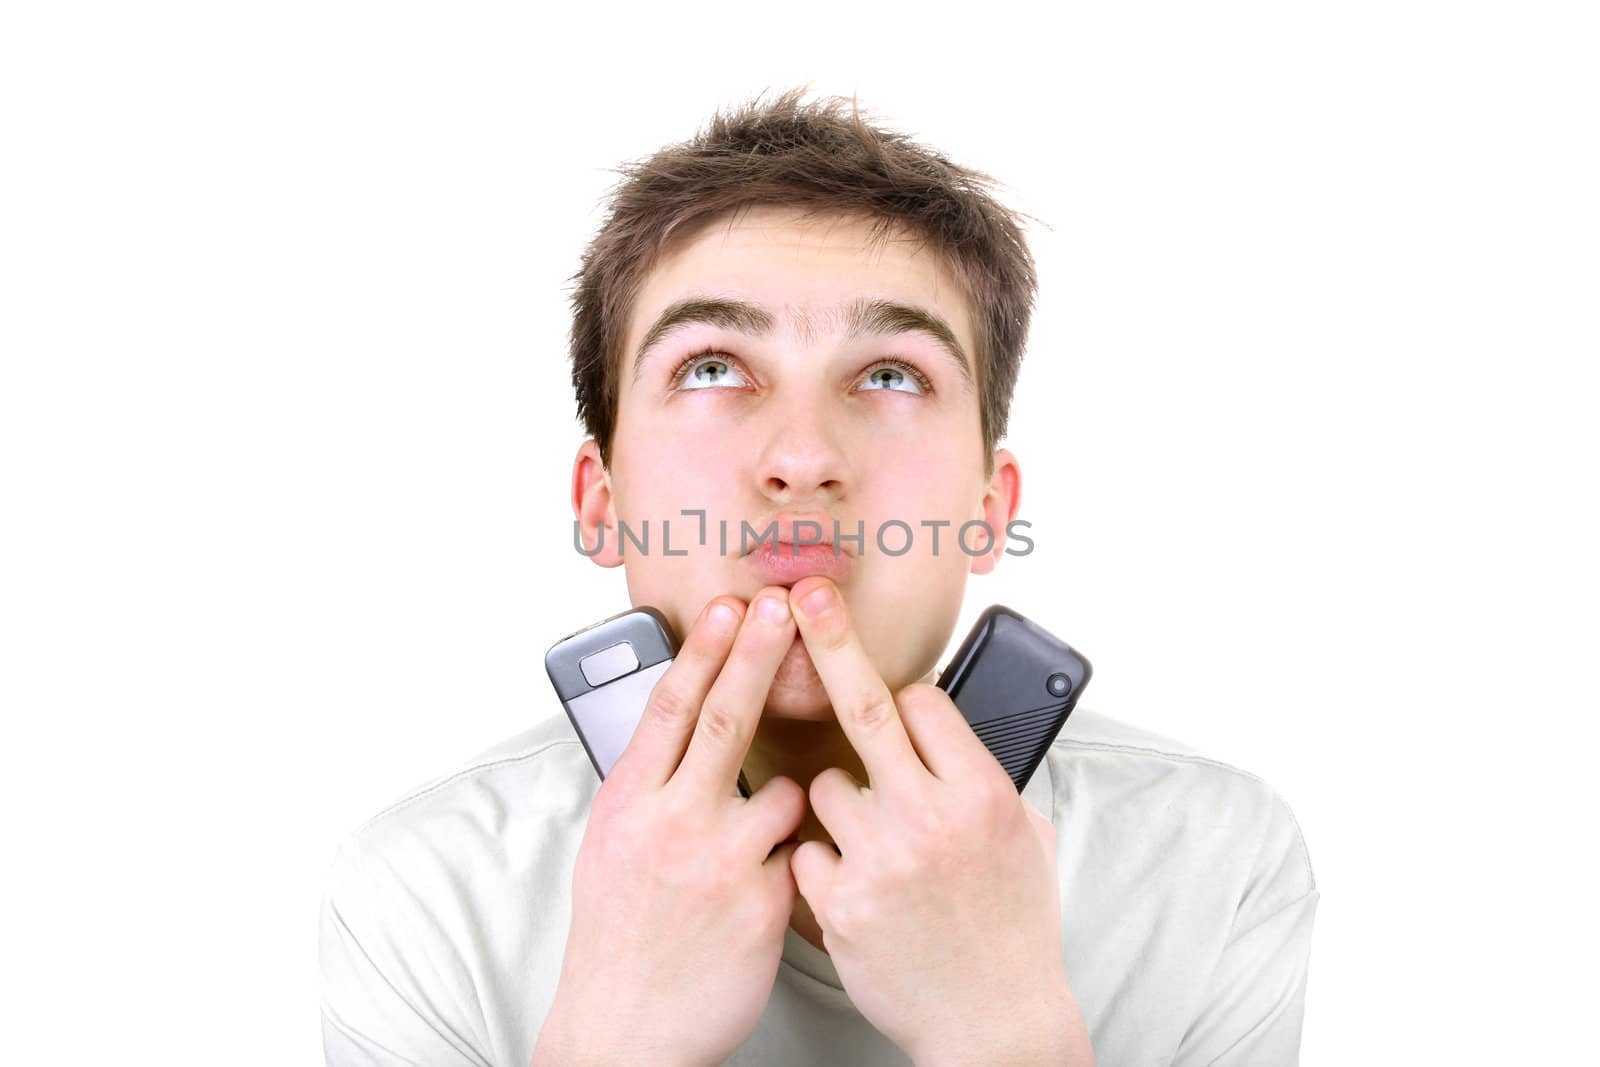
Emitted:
<point x="524" y="800"/>
<point x="548" y="752"/>
<point x="464" y="876"/>
<point x="1146" y="787"/>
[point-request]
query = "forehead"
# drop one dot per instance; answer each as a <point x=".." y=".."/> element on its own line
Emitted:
<point x="805" y="268"/>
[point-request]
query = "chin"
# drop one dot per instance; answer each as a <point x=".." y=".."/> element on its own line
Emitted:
<point x="797" y="691"/>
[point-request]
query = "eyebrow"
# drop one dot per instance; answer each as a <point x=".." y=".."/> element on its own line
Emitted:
<point x="865" y="317"/>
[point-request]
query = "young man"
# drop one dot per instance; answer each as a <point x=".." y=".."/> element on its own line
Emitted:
<point x="801" y="323"/>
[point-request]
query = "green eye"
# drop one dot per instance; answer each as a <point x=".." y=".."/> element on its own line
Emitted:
<point x="891" y="372"/>
<point x="708" y="370"/>
<point x="703" y="370"/>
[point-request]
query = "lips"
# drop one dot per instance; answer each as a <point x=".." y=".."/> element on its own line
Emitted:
<point x="786" y="561"/>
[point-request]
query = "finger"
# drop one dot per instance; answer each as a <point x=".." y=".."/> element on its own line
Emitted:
<point x="838" y="803"/>
<point x="773" y="813"/>
<point x="861" y="701"/>
<point x="670" y="713"/>
<point x="943" y="738"/>
<point x="729" y="714"/>
<point x="816" y="868"/>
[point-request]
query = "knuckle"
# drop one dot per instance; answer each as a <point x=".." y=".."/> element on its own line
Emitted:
<point x="670" y="813"/>
<point x="875" y="711"/>
<point x="850" y="913"/>
<point x="930" y="829"/>
<point x="719" y="724"/>
<point x="668" y="706"/>
<point x="1001" y="801"/>
<point x="903" y="867"/>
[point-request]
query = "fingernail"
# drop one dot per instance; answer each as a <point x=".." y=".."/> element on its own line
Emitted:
<point x="723" y="618"/>
<point x="774" y="609"/>
<point x="817" y="601"/>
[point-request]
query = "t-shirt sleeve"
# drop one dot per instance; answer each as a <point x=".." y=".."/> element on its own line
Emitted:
<point x="1255" y="997"/>
<point x="386" y="1000"/>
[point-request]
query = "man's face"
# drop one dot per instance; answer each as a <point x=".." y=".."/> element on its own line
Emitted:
<point x="781" y="414"/>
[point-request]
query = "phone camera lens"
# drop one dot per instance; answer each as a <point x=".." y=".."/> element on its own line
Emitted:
<point x="1059" y="685"/>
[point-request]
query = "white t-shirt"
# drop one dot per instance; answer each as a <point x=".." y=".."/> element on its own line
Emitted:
<point x="1187" y="902"/>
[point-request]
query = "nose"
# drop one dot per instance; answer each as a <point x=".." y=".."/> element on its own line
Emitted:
<point x="801" y="459"/>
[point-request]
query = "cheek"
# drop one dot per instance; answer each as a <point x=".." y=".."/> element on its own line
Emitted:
<point x="923" y="513"/>
<point x="669" y="470"/>
<point x="673" y="467"/>
<point x="661" y="480"/>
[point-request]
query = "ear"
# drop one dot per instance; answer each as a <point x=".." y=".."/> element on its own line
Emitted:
<point x="592" y="507"/>
<point x="1000" y="503"/>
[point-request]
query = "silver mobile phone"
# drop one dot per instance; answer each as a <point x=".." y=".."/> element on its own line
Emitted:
<point x="604" y="675"/>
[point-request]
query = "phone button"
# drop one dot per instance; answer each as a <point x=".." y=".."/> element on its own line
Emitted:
<point x="609" y="664"/>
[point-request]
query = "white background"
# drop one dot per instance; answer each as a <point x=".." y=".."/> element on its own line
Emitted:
<point x="1307" y="429"/>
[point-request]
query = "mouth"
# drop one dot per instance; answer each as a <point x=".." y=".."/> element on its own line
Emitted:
<point x="804" y="532"/>
<point x="785" y="563"/>
<point x="796" y="546"/>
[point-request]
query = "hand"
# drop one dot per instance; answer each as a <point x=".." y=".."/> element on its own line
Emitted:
<point x="941" y="910"/>
<point x="679" y="900"/>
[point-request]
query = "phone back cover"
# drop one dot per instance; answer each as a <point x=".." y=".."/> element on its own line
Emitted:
<point x="999" y="679"/>
<point x="604" y="716"/>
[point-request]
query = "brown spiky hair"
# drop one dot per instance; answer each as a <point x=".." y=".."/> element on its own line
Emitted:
<point x="825" y="158"/>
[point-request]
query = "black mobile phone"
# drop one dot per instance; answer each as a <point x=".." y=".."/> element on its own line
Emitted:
<point x="1016" y="683"/>
<point x="604" y="675"/>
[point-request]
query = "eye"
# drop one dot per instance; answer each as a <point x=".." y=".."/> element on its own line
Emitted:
<point x="889" y="373"/>
<point x="709" y="370"/>
<point x="703" y="370"/>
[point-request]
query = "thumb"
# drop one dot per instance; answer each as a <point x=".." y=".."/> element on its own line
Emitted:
<point x="780" y="879"/>
<point x="815" y="865"/>
<point x="777" y="862"/>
